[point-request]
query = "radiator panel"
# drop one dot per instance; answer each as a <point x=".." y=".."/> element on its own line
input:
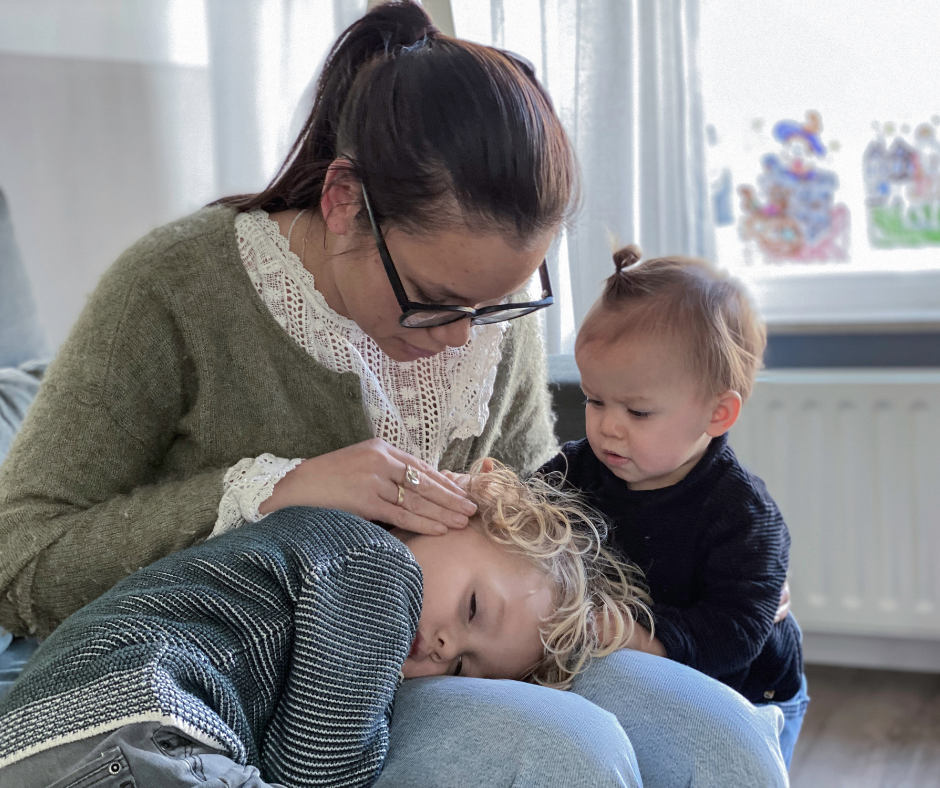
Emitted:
<point x="852" y="457"/>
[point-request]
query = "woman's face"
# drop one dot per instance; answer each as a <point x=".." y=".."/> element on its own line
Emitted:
<point x="455" y="267"/>
<point x="483" y="606"/>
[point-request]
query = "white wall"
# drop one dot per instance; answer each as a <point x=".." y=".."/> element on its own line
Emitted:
<point x="88" y="164"/>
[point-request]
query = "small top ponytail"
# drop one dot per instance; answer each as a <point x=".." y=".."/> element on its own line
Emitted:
<point x="624" y="258"/>
<point x="620" y="285"/>
<point x="440" y="130"/>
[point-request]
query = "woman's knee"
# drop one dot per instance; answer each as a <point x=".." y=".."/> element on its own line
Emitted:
<point x="458" y="732"/>
<point x="686" y="728"/>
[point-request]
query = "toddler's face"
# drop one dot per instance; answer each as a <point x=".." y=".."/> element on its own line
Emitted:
<point x="646" y="417"/>
<point x="482" y="608"/>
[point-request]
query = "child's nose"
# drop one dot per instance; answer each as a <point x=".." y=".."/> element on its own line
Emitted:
<point x="611" y="425"/>
<point x="444" y="647"/>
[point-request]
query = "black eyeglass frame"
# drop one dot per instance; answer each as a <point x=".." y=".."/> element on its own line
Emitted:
<point x="409" y="308"/>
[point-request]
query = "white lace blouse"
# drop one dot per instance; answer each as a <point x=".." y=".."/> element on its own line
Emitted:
<point x="418" y="406"/>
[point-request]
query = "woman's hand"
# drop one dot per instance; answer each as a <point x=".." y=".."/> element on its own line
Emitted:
<point x="783" y="609"/>
<point x="364" y="479"/>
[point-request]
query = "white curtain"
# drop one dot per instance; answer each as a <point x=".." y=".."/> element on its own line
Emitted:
<point x="623" y="76"/>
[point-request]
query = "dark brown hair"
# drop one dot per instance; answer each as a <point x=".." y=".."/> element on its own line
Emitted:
<point x="685" y="298"/>
<point x="441" y="131"/>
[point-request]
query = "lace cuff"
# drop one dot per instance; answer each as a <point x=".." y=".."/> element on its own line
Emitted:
<point x="247" y="484"/>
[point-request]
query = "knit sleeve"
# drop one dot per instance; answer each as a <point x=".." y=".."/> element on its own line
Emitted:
<point x="82" y="499"/>
<point x="520" y="431"/>
<point x="744" y="563"/>
<point x="248" y="484"/>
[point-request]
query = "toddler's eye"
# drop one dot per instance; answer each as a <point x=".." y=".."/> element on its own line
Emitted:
<point x="638" y="414"/>
<point x="473" y="605"/>
<point x="595" y="402"/>
<point x="459" y="669"/>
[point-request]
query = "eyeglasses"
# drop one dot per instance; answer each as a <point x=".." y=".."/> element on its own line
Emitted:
<point x="416" y="315"/>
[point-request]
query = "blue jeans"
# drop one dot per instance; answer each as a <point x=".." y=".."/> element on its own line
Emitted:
<point x="630" y="714"/>
<point x="13" y="658"/>
<point x="793" y="712"/>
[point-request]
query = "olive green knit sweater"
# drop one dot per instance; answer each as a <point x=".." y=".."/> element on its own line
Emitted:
<point x="174" y="372"/>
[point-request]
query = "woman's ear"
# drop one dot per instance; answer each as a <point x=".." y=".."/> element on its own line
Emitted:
<point x="339" y="199"/>
<point x="725" y="413"/>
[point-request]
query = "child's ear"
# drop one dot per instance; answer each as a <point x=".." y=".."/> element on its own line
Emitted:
<point x="724" y="414"/>
<point x="486" y="465"/>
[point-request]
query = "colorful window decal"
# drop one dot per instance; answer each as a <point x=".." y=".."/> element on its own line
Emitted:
<point x="791" y="214"/>
<point x="902" y="185"/>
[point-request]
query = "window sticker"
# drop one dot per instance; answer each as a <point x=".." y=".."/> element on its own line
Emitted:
<point x="791" y="213"/>
<point x="902" y="185"/>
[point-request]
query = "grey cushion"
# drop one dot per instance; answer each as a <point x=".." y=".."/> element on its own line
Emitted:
<point x="21" y="336"/>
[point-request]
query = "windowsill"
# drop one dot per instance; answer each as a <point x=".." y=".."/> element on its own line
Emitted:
<point x="847" y="301"/>
<point x="850" y="329"/>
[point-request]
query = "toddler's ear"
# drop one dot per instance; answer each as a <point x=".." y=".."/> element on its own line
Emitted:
<point x="724" y="414"/>
<point x="486" y="465"/>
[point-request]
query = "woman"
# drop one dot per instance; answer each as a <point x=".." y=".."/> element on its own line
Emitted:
<point x="331" y="342"/>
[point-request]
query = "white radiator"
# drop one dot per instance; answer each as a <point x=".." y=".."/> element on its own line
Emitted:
<point x="852" y="457"/>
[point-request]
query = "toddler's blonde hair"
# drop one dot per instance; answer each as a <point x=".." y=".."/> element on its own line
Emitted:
<point x="597" y="597"/>
<point x="686" y="299"/>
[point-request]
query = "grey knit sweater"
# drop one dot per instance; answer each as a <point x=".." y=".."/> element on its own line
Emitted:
<point x="174" y="372"/>
<point x="280" y="643"/>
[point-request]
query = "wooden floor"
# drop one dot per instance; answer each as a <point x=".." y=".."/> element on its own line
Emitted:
<point x="869" y="729"/>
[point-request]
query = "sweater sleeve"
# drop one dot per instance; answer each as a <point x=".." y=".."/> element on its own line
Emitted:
<point x="520" y="431"/>
<point x="83" y="502"/>
<point x="744" y="568"/>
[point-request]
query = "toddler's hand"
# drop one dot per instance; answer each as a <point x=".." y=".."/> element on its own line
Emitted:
<point x="462" y="480"/>
<point x="783" y="610"/>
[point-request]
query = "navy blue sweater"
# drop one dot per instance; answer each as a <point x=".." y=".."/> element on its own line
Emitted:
<point x="714" y="549"/>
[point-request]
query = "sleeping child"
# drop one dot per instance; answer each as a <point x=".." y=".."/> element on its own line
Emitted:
<point x="667" y="356"/>
<point x="274" y="651"/>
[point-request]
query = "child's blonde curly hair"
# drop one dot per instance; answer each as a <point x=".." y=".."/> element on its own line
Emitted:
<point x="597" y="597"/>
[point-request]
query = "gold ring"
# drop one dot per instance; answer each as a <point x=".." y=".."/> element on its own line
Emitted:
<point x="412" y="476"/>
<point x="401" y="495"/>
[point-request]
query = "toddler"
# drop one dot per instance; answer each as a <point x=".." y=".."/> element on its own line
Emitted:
<point x="272" y="653"/>
<point x="667" y="357"/>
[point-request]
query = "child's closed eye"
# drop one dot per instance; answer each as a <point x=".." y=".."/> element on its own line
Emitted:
<point x="638" y="414"/>
<point x="595" y="402"/>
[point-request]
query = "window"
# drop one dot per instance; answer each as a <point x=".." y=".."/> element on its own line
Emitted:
<point x="823" y="155"/>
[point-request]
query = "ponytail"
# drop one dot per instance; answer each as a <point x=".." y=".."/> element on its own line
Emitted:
<point x="620" y="285"/>
<point x="440" y="131"/>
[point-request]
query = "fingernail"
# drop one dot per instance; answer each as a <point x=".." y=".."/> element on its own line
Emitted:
<point x="459" y="520"/>
<point x="469" y="507"/>
<point x="440" y="530"/>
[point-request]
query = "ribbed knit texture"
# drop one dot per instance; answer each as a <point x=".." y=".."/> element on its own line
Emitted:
<point x="280" y="642"/>
<point x="714" y="549"/>
<point x="174" y="372"/>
